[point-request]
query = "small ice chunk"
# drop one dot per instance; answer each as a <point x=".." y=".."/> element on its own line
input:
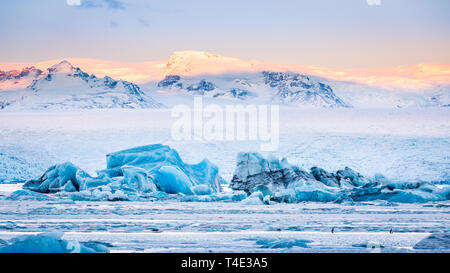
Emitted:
<point x="159" y="194"/>
<point x="118" y="196"/>
<point x="137" y="178"/>
<point x="435" y="241"/>
<point x="255" y="198"/>
<point x="202" y="189"/>
<point x="21" y="195"/>
<point x="282" y="243"/>
<point x="315" y="194"/>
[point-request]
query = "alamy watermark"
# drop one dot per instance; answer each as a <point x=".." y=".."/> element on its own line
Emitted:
<point x="373" y="2"/>
<point x="73" y="2"/>
<point x="235" y="122"/>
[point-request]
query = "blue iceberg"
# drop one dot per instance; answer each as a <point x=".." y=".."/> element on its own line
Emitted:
<point x="62" y="177"/>
<point x="50" y="243"/>
<point x="156" y="160"/>
<point x="22" y="195"/>
<point x="278" y="181"/>
<point x="131" y="174"/>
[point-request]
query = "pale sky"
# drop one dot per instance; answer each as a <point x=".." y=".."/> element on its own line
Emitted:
<point x="330" y="33"/>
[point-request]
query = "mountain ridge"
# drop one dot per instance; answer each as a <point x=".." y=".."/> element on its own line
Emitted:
<point x="247" y="82"/>
<point x="63" y="86"/>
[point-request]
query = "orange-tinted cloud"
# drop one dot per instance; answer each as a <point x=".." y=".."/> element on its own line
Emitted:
<point x="192" y="63"/>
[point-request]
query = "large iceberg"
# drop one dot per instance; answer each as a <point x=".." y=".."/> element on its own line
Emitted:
<point x="161" y="162"/>
<point x="255" y="171"/>
<point x="279" y="181"/>
<point x="131" y="174"/>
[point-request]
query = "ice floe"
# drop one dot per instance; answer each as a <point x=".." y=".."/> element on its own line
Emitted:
<point x="50" y="243"/>
<point x="278" y="243"/>
<point x="21" y="195"/>
<point x="435" y="241"/>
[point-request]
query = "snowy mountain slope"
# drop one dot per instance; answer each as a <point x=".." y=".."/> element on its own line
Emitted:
<point x="15" y="79"/>
<point x="265" y="87"/>
<point x="194" y="63"/>
<point x="364" y="96"/>
<point x="441" y="96"/>
<point x="293" y="89"/>
<point x="216" y="76"/>
<point x="63" y="86"/>
<point x="301" y="89"/>
<point x="412" y="77"/>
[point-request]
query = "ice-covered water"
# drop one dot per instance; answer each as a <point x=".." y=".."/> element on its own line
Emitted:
<point x="170" y="226"/>
<point x="401" y="144"/>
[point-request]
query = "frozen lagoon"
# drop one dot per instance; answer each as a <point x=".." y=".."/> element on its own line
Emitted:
<point x="171" y="226"/>
<point x="401" y="144"/>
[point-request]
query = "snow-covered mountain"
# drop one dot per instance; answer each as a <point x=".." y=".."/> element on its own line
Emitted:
<point x="16" y="79"/>
<point x="441" y="96"/>
<point x="64" y="86"/>
<point x="220" y="77"/>
<point x="293" y="89"/>
<point x="191" y="63"/>
<point x="264" y="87"/>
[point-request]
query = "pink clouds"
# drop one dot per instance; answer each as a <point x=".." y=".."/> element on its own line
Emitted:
<point x="191" y="63"/>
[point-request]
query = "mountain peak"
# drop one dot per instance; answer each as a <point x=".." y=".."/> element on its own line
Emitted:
<point x="191" y="62"/>
<point x="18" y="78"/>
<point x="195" y="54"/>
<point x="64" y="67"/>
